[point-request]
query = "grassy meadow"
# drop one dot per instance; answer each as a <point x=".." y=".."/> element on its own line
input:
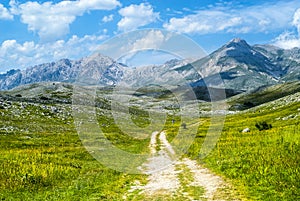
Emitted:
<point x="262" y="165"/>
<point x="42" y="156"/>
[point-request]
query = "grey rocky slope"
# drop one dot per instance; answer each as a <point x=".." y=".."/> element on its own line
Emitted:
<point x="97" y="66"/>
<point x="241" y="67"/>
<point x="246" y="67"/>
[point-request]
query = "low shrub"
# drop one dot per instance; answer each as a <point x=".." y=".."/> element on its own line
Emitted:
<point x="263" y="126"/>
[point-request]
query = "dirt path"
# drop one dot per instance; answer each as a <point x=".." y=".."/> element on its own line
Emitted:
<point x="171" y="179"/>
<point x="162" y="173"/>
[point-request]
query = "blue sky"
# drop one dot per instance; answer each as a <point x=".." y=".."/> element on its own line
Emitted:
<point x="34" y="32"/>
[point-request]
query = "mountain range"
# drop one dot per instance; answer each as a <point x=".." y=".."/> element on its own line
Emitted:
<point x="240" y="65"/>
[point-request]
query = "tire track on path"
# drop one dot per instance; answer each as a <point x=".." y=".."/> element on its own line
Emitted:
<point x="165" y="169"/>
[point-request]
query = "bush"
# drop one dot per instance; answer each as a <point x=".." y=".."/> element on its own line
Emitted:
<point x="263" y="126"/>
<point x="44" y="98"/>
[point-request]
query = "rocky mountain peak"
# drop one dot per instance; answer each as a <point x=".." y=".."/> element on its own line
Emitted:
<point x="238" y="44"/>
<point x="237" y="40"/>
<point x="99" y="59"/>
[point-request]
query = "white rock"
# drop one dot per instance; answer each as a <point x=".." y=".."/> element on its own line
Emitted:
<point x="246" y="130"/>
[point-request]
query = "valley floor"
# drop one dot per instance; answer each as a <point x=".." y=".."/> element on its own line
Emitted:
<point x="43" y="158"/>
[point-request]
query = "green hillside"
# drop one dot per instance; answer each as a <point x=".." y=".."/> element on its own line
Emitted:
<point x="263" y="95"/>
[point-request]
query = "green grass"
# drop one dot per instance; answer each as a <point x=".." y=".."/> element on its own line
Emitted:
<point x="263" y="165"/>
<point x="42" y="158"/>
<point x="186" y="178"/>
<point x="264" y="95"/>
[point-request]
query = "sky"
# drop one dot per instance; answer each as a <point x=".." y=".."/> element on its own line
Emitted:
<point x="35" y="32"/>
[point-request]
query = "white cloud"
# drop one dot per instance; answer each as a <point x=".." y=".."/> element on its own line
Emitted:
<point x="16" y="55"/>
<point x="296" y="21"/>
<point x="152" y="40"/>
<point x="146" y="58"/>
<point x="289" y="40"/>
<point x="224" y="19"/>
<point x="5" y="14"/>
<point x="204" y="22"/>
<point x="51" y="21"/>
<point x="108" y="18"/>
<point x="135" y="16"/>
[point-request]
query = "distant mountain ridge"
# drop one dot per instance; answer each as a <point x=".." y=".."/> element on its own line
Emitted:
<point x="241" y="67"/>
<point x="104" y="68"/>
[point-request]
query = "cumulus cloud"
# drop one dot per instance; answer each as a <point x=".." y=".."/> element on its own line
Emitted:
<point x="152" y="40"/>
<point x="22" y="55"/>
<point x="108" y="18"/>
<point x="135" y="16"/>
<point x="296" y="21"/>
<point x="5" y="14"/>
<point x="204" y="22"/>
<point x="228" y="19"/>
<point x="289" y="40"/>
<point x="146" y="48"/>
<point x="51" y="21"/>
